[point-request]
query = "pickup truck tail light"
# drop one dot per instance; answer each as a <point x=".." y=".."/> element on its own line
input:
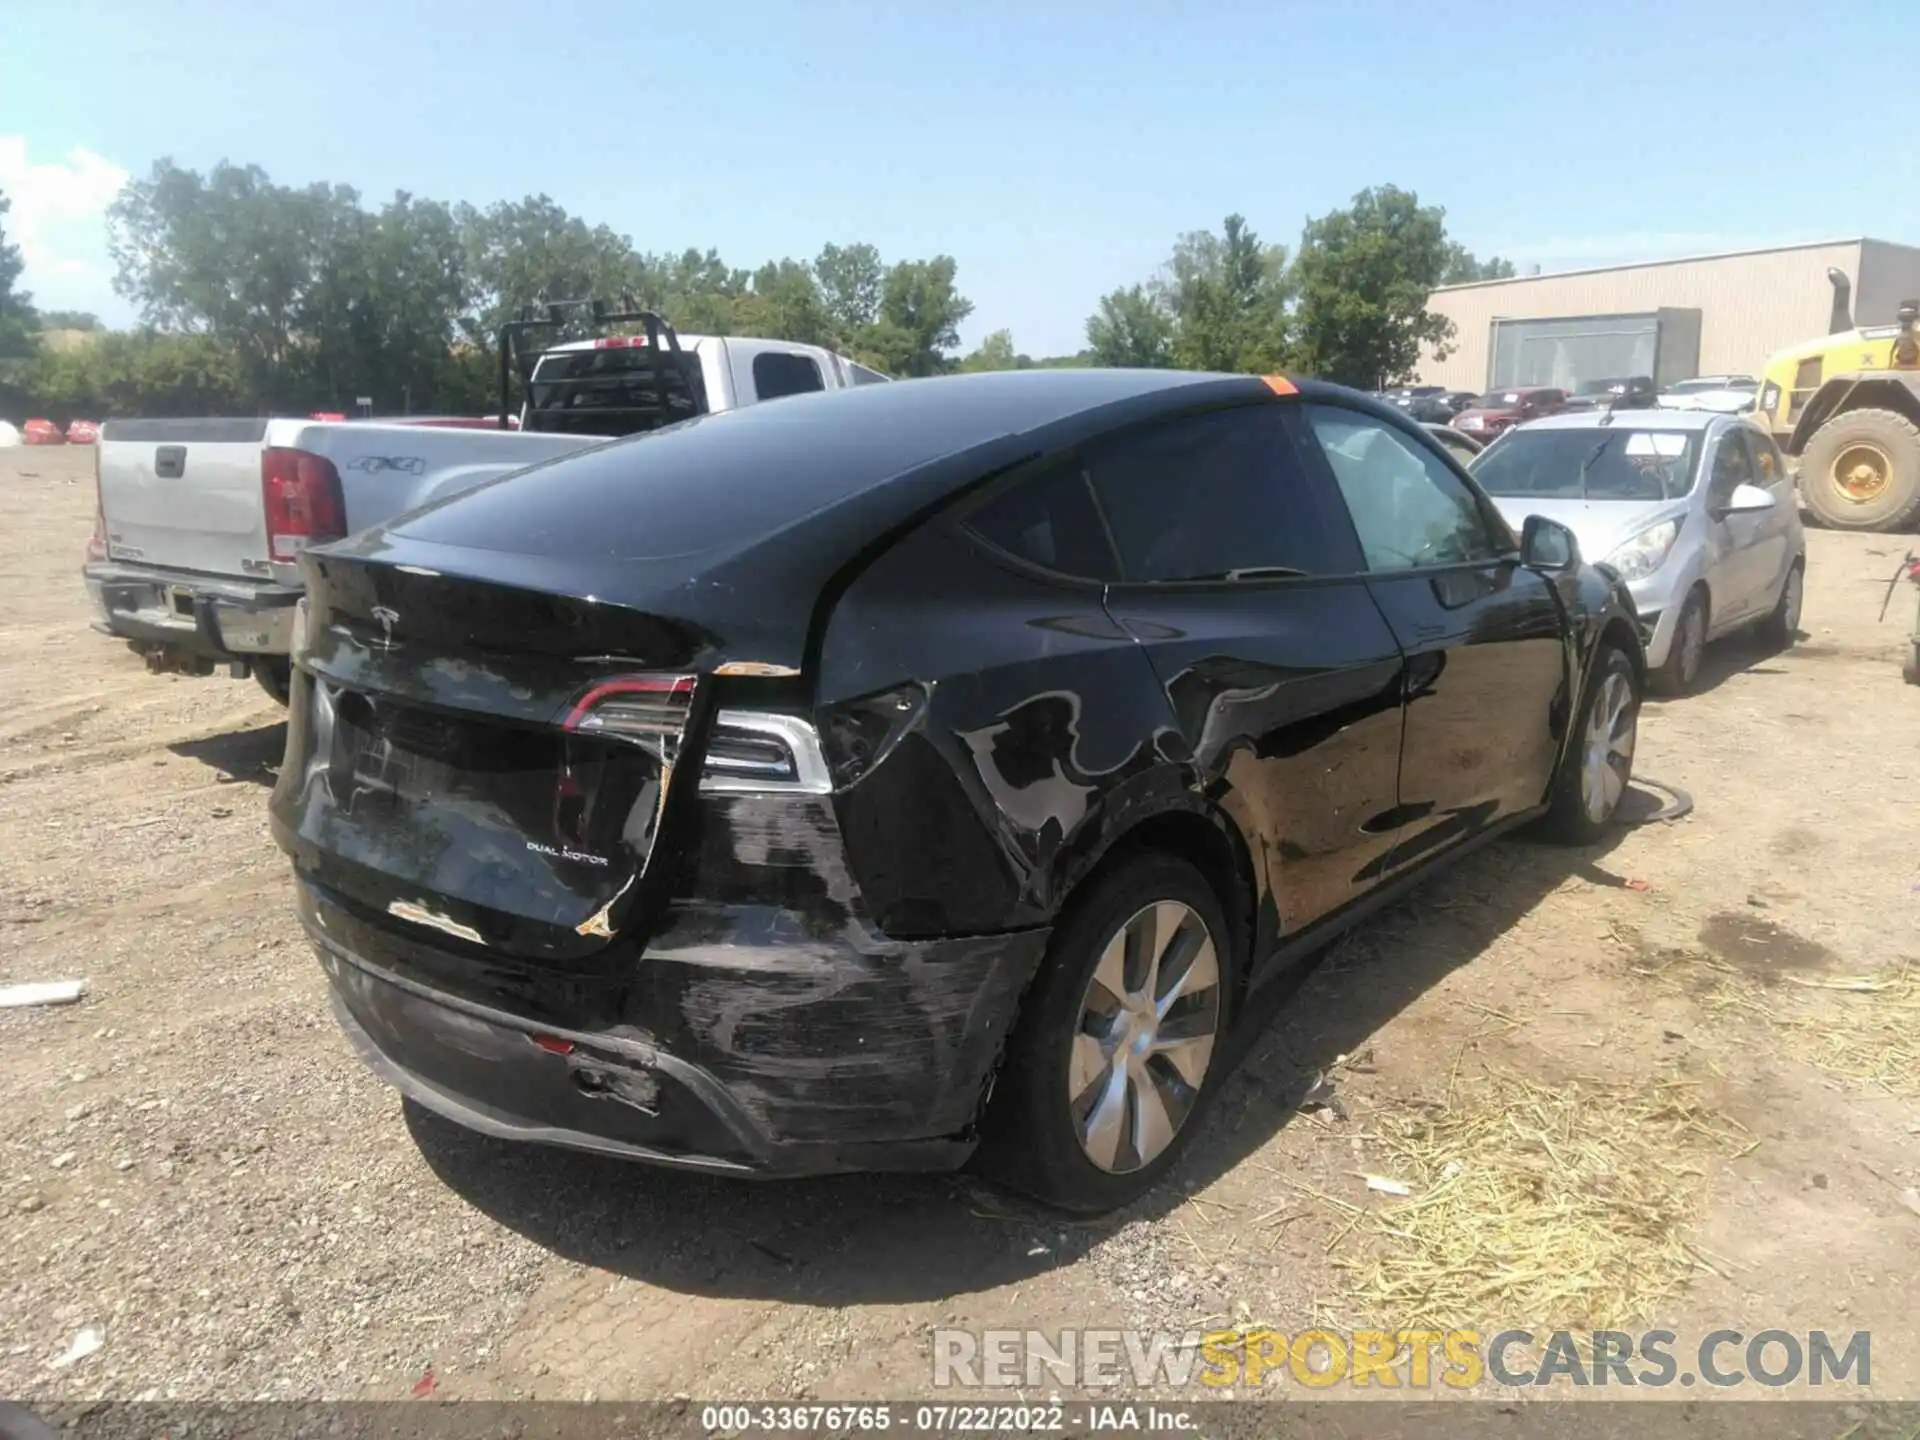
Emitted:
<point x="301" y="493"/>
<point x="97" y="542"/>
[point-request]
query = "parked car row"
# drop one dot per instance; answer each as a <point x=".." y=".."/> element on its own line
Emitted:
<point x="1485" y="416"/>
<point x="39" y="431"/>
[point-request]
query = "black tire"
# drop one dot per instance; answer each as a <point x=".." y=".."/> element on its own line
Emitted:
<point x="1910" y="671"/>
<point x="1030" y="1142"/>
<point x="1782" y="627"/>
<point x="1682" y="665"/>
<point x="1568" y="820"/>
<point x="275" y="677"/>
<point x="1877" y="438"/>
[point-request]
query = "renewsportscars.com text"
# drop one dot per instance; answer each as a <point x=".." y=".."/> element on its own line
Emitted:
<point x="1399" y="1359"/>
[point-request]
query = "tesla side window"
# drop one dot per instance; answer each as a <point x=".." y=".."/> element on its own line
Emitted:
<point x="1050" y="521"/>
<point x="1207" y="498"/>
<point x="1408" y="505"/>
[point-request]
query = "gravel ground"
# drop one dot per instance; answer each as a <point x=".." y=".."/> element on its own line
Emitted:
<point x="193" y="1162"/>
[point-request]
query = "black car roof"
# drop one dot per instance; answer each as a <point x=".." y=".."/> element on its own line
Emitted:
<point x="737" y="523"/>
<point x="764" y="467"/>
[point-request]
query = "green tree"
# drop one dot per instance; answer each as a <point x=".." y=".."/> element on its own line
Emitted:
<point x="233" y="255"/>
<point x="1227" y="295"/>
<point x="140" y="373"/>
<point x="851" y="279"/>
<point x="1131" y="329"/>
<point x="19" y="323"/>
<point x="70" y="320"/>
<point x="1462" y="268"/>
<point x="784" y="303"/>
<point x="529" y="251"/>
<point x="920" y="316"/>
<point x="996" y="352"/>
<point x="1364" y="275"/>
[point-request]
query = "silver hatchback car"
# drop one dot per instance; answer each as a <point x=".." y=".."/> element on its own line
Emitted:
<point x="1695" y="510"/>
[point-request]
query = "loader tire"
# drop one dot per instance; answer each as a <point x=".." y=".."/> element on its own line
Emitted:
<point x="1861" y="471"/>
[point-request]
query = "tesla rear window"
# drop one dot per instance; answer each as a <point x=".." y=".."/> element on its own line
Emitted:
<point x="1204" y="497"/>
<point x="1050" y="521"/>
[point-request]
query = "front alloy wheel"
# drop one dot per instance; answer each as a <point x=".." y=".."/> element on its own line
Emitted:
<point x="1606" y="761"/>
<point x="1144" y="1042"/>
<point x="1597" y="765"/>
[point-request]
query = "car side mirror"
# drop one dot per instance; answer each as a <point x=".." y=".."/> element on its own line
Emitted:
<point x="1548" y="545"/>
<point x="1747" y="499"/>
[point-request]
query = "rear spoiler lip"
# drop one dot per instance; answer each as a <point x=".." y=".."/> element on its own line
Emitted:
<point x="717" y="644"/>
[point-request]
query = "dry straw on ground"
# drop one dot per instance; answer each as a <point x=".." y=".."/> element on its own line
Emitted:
<point x="1561" y="1206"/>
<point x="1864" y="1029"/>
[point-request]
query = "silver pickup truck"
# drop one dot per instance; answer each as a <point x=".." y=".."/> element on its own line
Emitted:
<point x="201" y="522"/>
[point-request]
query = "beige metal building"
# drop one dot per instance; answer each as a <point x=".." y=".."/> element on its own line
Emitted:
<point x="1672" y="319"/>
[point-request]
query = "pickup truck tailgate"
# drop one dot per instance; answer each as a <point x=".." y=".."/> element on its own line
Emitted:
<point x="185" y="494"/>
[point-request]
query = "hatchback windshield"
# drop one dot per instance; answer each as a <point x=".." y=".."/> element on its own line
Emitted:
<point x="1596" y="464"/>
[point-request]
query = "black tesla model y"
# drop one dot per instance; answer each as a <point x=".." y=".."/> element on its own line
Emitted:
<point x="865" y="779"/>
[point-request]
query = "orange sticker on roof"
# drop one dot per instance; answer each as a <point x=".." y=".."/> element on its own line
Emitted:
<point x="1279" y="384"/>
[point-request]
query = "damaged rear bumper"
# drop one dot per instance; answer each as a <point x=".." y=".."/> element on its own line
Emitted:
<point x="775" y="1060"/>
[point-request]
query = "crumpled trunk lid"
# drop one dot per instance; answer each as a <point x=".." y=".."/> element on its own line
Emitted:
<point x="446" y="784"/>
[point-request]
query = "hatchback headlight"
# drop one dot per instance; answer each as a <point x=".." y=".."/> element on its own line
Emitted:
<point x="1639" y="557"/>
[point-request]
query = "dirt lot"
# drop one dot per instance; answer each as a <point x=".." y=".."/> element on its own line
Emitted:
<point x="193" y="1160"/>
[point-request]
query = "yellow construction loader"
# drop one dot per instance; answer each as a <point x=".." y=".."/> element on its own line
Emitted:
<point x="1848" y="405"/>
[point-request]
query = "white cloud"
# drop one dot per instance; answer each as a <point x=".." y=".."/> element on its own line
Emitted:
<point x="59" y="221"/>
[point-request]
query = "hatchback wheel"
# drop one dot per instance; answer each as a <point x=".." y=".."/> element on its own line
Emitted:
<point x="1687" y="650"/>
<point x="1782" y="627"/>
<point x="1110" y="1065"/>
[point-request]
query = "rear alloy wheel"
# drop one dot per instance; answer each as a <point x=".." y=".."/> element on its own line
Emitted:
<point x="1861" y="471"/>
<point x="1144" y="1042"/>
<point x="1687" y="649"/>
<point x="1781" y="628"/>
<point x="1598" y="767"/>
<point x="1109" y="1068"/>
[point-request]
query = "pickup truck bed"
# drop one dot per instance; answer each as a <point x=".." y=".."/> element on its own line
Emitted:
<point x="186" y="568"/>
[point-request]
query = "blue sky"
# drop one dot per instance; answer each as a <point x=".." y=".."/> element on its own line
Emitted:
<point x="1056" y="149"/>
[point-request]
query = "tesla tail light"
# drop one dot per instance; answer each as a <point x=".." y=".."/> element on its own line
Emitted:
<point x="758" y="751"/>
<point x="645" y="710"/>
<point x="304" y="506"/>
<point x="748" y="751"/>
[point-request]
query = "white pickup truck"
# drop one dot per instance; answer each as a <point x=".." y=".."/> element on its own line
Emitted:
<point x="201" y="523"/>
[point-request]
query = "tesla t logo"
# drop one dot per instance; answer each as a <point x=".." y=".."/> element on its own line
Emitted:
<point x="380" y="464"/>
<point x="388" y="619"/>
